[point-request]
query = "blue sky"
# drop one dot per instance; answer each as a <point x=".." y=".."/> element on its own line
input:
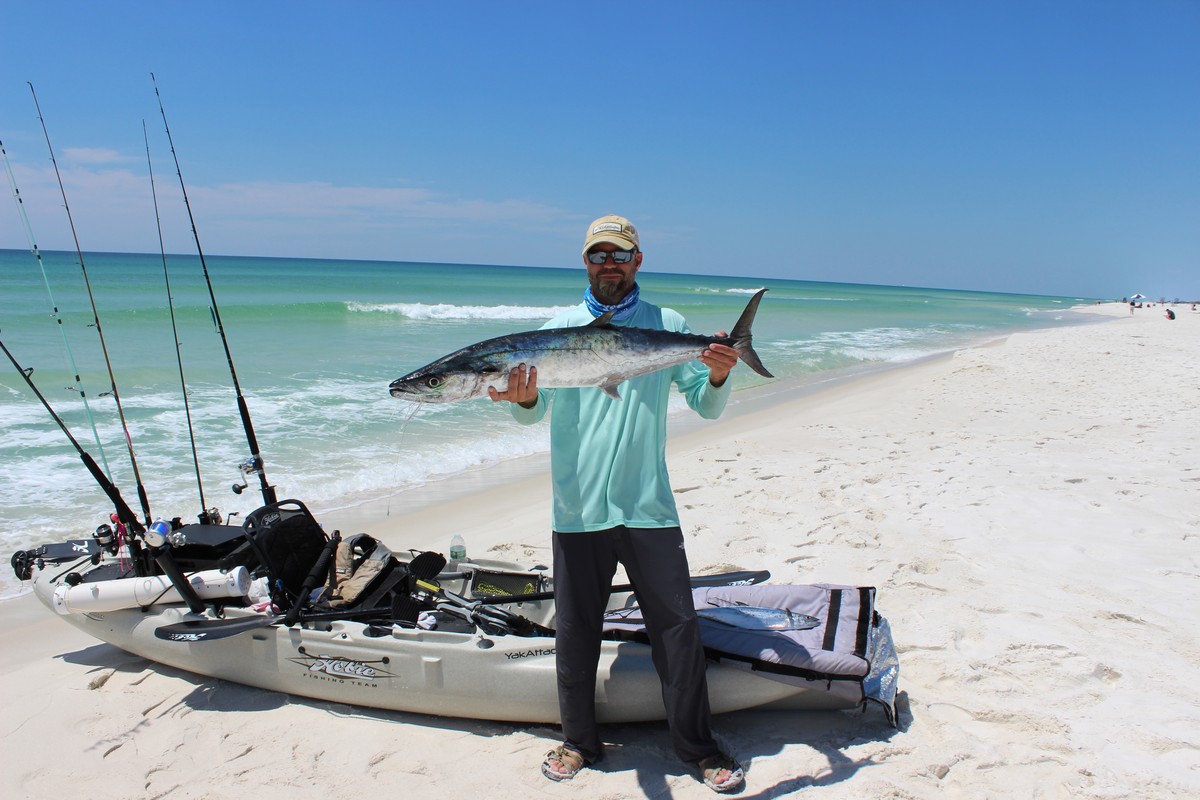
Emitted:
<point x="1043" y="147"/>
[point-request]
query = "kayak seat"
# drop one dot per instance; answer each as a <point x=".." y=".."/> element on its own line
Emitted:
<point x="283" y="543"/>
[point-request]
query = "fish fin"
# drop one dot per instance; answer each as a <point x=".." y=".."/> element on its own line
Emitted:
<point x="746" y="353"/>
<point x="741" y="340"/>
<point x="610" y="389"/>
<point x="601" y="320"/>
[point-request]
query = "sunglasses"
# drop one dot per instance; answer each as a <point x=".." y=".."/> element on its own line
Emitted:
<point x="618" y="256"/>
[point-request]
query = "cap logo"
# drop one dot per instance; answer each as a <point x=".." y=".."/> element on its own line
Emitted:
<point x="608" y="226"/>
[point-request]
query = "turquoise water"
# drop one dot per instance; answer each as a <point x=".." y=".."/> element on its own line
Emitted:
<point x="315" y="344"/>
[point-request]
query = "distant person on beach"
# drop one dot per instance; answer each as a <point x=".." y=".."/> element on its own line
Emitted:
<point x="613" y="504"/>
<point x="1170" y="314"/>
<point x="1131" y="308"/>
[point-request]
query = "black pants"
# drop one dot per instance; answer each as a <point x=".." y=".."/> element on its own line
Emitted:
<point x="654" y="559"/>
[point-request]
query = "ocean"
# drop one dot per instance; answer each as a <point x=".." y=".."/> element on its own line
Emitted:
<point x="315" y="344"/>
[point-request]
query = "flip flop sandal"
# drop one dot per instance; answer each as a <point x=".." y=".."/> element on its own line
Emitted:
<point x="569" y="758"/>
<point x="712" y="766"/>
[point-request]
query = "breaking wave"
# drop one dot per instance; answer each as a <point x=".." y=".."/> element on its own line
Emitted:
<point x="447" y="311"/>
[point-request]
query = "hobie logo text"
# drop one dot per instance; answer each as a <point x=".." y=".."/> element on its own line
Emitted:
<point x="338" y="667"/>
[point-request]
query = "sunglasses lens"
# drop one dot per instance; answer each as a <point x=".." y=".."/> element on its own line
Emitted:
<point x="618" y="256"/>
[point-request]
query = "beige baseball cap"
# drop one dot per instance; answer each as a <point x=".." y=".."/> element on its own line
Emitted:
<point x="612" y="229"/>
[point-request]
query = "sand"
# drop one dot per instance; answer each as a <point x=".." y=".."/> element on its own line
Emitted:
<point x="1029" y="511"/>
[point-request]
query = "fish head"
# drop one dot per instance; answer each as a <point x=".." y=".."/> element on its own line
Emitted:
<point x="445" y="382"/>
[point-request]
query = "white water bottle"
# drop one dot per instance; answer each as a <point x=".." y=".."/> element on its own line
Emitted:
<point x="458" y="550"/>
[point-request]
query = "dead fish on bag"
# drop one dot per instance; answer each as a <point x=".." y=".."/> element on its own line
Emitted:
<point x="760" y="619"/>
<point x="598" y="354"/>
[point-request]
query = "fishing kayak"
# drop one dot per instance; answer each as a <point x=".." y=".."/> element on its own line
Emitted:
<point x="475" y="641"/>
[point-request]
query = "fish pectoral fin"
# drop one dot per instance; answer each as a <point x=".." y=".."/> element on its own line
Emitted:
<point x="610" y="389"/>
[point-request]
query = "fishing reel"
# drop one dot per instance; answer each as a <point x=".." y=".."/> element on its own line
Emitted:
<point x="107" y="538"/>
<point x="251" y="466"/>
<point x="164" y="534"/>
<point x="212" y="516"/>
<point x="156" y="535"/>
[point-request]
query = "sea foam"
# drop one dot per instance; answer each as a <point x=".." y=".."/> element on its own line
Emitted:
<point x="447" y="311"/>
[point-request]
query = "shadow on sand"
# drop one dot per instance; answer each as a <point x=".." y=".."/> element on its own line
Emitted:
<point x="751" y="735"/>
<point x="643" y="748"/>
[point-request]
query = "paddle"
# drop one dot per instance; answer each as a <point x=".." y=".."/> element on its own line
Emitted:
<point x="207" y="630"/>
<point x="743" y="578"/>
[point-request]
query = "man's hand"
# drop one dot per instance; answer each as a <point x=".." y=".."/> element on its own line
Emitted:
<point x="522" y="387"/>
<point x="720" y="360"/>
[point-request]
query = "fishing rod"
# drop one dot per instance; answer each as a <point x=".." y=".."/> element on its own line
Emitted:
<point x="141" y="490"/>
<point x="157" y="538"/>
<point x="37" y="254"/>
<point x="205" y="516"/>
<point x="124" y="512"/>
<point x="255" y="463"/>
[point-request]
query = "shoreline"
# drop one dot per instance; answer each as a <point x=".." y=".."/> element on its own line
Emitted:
<point x="337" y="442"/>
<point x="1026" y="509"/>
<point x="428" y="501"/>
<point x="453" y="502"/>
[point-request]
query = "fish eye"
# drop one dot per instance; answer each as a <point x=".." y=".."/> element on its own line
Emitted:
<point x="434" y="381"/>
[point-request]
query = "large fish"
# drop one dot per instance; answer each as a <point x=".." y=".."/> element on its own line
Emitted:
<point x="598" y="354"/>
<point x="759" y="619"/>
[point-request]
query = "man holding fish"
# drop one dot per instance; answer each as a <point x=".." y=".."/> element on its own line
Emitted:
<point x="613" y="503"/>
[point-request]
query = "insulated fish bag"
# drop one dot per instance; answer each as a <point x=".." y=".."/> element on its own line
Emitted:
<point x="850" y="654"/>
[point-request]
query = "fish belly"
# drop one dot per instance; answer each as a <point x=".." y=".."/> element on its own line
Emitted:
<point x="593" y="366"/>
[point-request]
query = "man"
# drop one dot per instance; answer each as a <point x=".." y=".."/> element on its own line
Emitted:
<point x="613" y="503"/>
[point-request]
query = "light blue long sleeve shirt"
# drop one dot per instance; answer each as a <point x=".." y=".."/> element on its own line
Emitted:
<point x="608" y="458"/>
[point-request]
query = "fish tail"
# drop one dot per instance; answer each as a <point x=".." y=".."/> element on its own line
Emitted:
<point x="741" y="340"/>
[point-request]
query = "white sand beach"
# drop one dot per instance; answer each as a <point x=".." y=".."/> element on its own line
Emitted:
<point x="1029" y="511"/>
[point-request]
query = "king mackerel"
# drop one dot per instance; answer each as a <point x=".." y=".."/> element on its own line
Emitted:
<point x="599" y="354"/>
